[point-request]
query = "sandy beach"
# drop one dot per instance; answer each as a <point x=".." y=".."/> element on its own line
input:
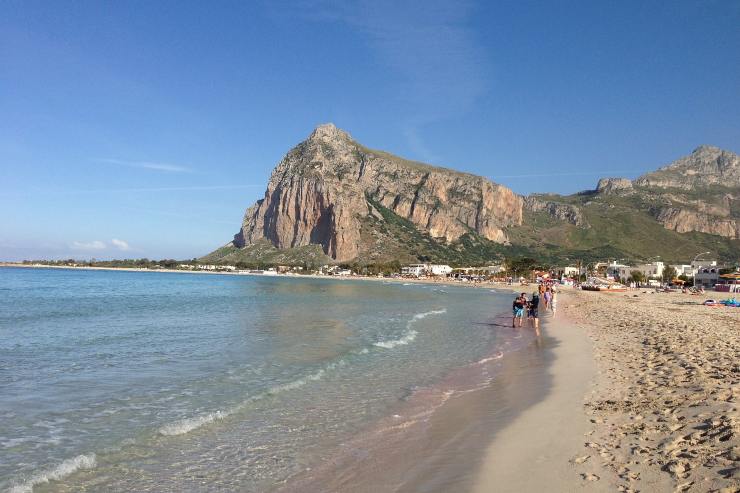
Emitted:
<point x="663" y="407"/>
<point x="660" y="413"/>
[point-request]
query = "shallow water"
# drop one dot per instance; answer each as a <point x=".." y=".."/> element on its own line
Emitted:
<point x="121" y="381"/>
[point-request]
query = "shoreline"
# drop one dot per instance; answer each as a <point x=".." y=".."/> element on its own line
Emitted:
<point x="537" y="451"/>
<point x="440" y="446"/>
<point x="440" y="281"/>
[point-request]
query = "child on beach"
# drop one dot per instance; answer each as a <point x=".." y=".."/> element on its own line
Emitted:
<point x="553" y="301"/>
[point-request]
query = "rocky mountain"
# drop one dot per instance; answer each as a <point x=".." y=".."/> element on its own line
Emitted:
<point x="332" y="199"/>
<point x="699" y="192"/>
<point x="703" y="168"/>
<point x="327" y="191"/>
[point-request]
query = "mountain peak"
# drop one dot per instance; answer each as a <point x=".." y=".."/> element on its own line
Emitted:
<point x="329" y="132"/>
<point x="704" y="148"/>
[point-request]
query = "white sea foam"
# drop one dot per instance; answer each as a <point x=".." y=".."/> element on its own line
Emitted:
<point x="62" y="470"/>
<point x="189" y="424"/>
<point x="407" y="338"/>
<point x="410" y="333"/>
<point x="491" y="358"/>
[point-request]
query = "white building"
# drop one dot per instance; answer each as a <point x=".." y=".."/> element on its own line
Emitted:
<point x="568" y="271"/>
<point x="612" y="269"/>
<point x="415" y="270"/>
<point x="684" y="270"/>
<point x="653" y="270"/>
<point x="418" y="270"/>
<point x="439" y="269"/>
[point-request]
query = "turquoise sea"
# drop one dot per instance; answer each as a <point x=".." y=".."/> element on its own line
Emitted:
<point x="141" y="381"/>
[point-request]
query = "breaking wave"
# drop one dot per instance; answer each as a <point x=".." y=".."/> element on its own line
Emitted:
<point x="189" y="424"/>
<point x="410" y="333"/>
<point x="64" y="469"/>
<point x="186" y="425"/>
<point x="408" y="337"/>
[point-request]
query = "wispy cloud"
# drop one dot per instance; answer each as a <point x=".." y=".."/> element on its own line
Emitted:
<point x="429" y="46"/>
<point x="120" y="244"/>
<point x="97" y="245"/>
<point x="167" y="167"/>
<point x="88" y="246"/>
<point x="575" y="173"/>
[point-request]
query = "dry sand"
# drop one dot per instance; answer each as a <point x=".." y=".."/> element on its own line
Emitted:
<point x="660" y="414"/>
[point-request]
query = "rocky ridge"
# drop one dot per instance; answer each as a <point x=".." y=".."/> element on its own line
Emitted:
<point x="613" y="185"/>
<point x="331" y="199"/>
<point x="708" y="173"/>
<point x="325" y="187"/>
<point x="704" y="167"/>
<point x="564" y="212"/>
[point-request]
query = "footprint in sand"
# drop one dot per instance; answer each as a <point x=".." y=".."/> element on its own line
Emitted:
<point x="590" y="477"/>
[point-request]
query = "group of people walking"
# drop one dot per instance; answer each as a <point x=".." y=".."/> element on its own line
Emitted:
<point x="531" y="306"/>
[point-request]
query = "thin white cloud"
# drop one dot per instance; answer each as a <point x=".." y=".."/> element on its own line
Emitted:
<point x="97" y="245"/>
<point x="88" y="246"/>
<point x="429" y="46"/>
<point x="169" y="168"/>
<point x="120" y="244"/>
<point x="577" y="173"/>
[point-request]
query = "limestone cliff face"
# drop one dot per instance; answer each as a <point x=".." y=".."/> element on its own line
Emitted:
<point x="613" y="185"/>
<point x="564" y="212"/>
<point x="684" y="221"/>
<point x="318" y="194"/>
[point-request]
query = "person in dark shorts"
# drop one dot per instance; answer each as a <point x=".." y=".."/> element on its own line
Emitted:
<point x="533" y="311"/>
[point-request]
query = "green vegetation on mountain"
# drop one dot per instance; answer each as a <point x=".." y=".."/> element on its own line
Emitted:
<point x="619" y="227"/>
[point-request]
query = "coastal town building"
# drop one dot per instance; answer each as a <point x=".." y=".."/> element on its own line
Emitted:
<point x="439" y="269"/>
<point x="488" y="270"/>
<point x="684" y="270"/>
<point x="698" y="264"/>
<point x="418" y="270"/>
<point x="415" y="270"/>
<point x="568" y="271"/>
<point x="707" y="277"/>
<point x="652" y="270"/>
<point x="612" y="269"/>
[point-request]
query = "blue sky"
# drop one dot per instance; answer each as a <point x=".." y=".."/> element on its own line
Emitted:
<point x="134" y="129"/>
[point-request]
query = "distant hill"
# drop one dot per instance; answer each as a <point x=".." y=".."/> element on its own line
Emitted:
<point x="330" y="199"/>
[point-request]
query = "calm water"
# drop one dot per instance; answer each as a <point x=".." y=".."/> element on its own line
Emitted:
<point x="129" y="381"/>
